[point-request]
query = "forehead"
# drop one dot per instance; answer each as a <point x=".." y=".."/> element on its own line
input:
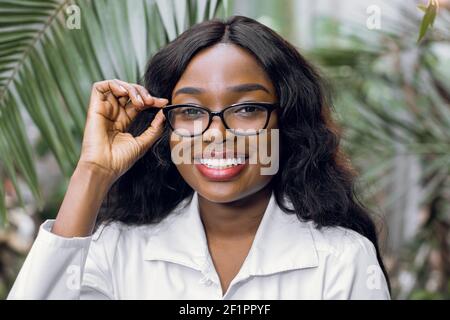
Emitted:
<point x="220" y="65"/>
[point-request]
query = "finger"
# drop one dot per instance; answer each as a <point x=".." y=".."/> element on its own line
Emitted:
<point x="104" y="91"/>
<point x="152" y="133"/>
<point x="134" y="95"/>
<point x="151" y="100"/>
<point x="112" y="100"/>
<point x="123" y="101"/>
<point x="148" y="99"/>
<point x="103" y="87"/>
<point x="122" y="92"/>
<point x="160" y="102"/>
<point x="132" y="110"/>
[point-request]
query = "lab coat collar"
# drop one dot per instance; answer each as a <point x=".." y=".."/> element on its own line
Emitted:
<point x="281" y="242"/>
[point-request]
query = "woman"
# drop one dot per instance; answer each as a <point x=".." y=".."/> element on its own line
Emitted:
<point x="188" y="216"/>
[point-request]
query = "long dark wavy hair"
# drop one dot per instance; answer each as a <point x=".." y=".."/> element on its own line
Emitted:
<point x="313" y="172"/>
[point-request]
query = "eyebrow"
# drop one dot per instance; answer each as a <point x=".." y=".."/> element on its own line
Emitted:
<point x="246" y="87"/>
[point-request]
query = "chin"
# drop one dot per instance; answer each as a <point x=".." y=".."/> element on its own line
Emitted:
<point x="220" y="192"/>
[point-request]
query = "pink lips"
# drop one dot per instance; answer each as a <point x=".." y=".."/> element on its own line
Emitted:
<point x="224" y="174"/>
<point x="220" y="174"/>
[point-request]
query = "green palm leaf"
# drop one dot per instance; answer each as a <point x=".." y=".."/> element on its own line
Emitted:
<point x="47" y="68"/>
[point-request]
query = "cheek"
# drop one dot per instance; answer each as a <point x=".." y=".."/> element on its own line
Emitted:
<point x="188" y="174"/>
<point x="181" y="150"/>
<point x="181" y="156"/>
<point x="264" y="149"/>
<point x="253" y="178"/>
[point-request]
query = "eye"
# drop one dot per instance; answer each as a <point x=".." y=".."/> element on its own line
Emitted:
<point x="247" y="109"/>
<point x="191" y="111"/>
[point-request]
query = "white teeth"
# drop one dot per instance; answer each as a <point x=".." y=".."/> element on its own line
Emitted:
<point x="222" y="163"/>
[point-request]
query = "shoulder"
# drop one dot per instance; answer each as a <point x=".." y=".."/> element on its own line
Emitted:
<point x="111" y="231"/>
<point x="340" y="242"/>
<point x="335" y="241"/>
<point x="351" y="265"/>
<point x="115" y="231"/>
<point x="113" y="238"/>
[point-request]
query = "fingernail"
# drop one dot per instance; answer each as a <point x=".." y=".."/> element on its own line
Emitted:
<point x="123" y="89"/>
<point x="163" y="100"/>
<point x="140" y="99"/>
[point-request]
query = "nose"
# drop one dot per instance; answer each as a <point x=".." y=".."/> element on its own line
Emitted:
<point x="216" y="131"/>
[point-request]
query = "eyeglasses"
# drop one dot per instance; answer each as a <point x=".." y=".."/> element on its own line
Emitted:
<point x="245" y="118"/>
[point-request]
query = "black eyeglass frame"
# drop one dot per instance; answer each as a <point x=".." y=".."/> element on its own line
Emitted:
<point x="269" y="106"/>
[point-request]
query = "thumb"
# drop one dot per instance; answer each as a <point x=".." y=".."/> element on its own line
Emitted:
<point x="152" y="133"/>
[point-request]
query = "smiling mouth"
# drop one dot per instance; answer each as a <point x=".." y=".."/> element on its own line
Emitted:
<point x="220" y="166"/>
<point x="221" y="160"/>
<point x="216" y="163"/>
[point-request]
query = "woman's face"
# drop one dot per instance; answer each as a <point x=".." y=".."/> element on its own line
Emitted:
<point x="208" y="81"/>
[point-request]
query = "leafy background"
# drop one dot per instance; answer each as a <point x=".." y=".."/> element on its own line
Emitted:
<point x="391" y="89"/>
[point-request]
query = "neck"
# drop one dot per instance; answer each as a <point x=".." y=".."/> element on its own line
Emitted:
<point x="234" y="220"/>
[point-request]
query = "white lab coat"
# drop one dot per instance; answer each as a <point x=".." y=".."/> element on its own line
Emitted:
<point x="288" y="259"/>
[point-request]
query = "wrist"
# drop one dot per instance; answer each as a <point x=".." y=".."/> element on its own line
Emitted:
<point x="88" y="186"/>
<point x="95" y="174"/>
